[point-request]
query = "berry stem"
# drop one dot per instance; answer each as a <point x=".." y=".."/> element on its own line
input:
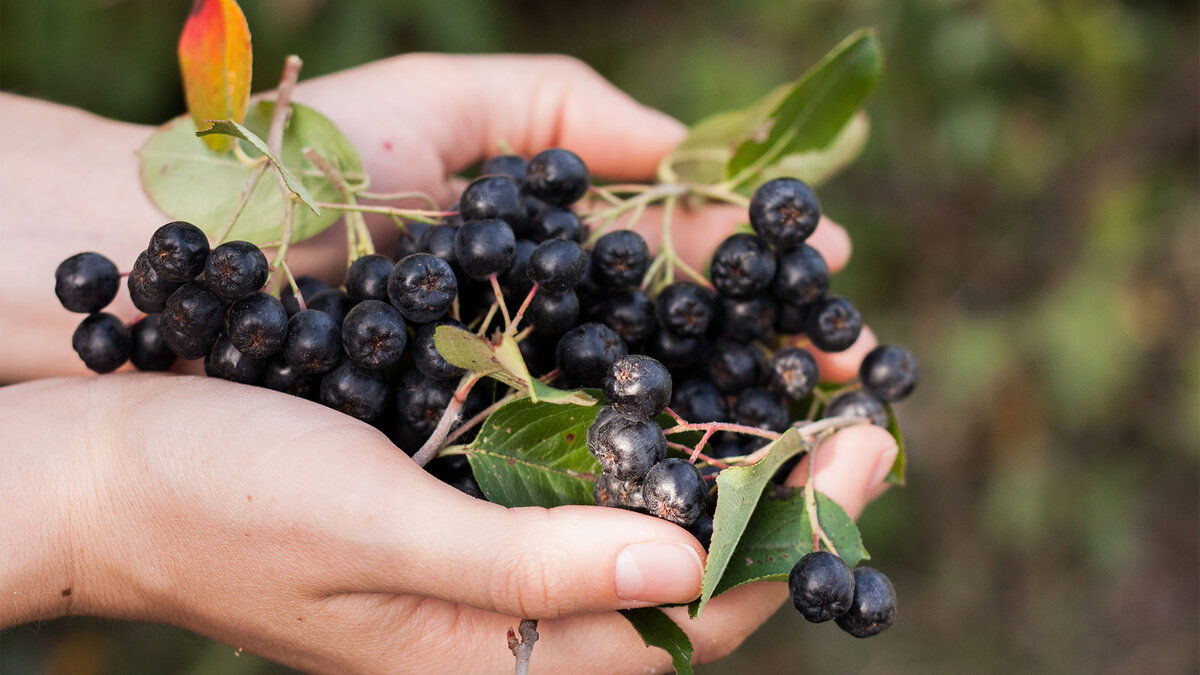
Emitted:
<point x="399" y="196"/>
<point x="508" y="323"/>
<point x="810" y="505"/>
<point x="605" y="195"/>
<point x="449" y="416"/>
<point x="287" y="271"/>
<point x="419" y="215"/>
<point x="652" y="272"/>
<point x="700" y="446"/>
<point x="674" y="415"/>
<point x="718" y="194"/>
<point x="722" y="426"/>
<point x="667" y="246"/>
<point x="487" y="319"/>
<point x="548" y="377"/>
<point x="283" y="104"/>
<point x="523" y="648"/>
<point x="512" y="328"/>
<point x="475" y="421"/>
<point x="358" y="237"/>
<point x="247" y="190"/>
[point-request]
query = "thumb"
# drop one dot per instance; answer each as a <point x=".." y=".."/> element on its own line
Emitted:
<point x="534" y="562"/>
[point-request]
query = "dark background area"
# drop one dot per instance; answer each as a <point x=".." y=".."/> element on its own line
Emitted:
<point x="1025" y="219"/>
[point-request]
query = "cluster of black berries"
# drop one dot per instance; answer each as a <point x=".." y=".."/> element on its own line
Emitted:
<point x="863" y="601"/>
<point x="632" y="450"/>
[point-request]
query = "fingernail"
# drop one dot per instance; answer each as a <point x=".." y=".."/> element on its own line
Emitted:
<point x="658" y="572"/>
<point x="883" y="466"/>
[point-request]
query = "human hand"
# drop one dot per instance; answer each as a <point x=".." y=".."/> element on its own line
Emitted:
<point x="295" y="532"/>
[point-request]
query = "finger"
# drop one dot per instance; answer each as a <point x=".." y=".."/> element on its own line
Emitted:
<point x="530" y="562"/>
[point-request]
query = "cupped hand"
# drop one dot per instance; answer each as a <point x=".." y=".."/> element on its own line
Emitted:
<point x="295" y="532"/>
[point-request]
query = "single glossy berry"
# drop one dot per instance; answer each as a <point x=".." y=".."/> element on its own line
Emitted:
<point x="332" y="301"/>
<point x="516" y="279"/>
<point x="280" y="376"/>
<point x="677" y="352"/>
<point x="366" y="279"/>
<point x="557" y="265"/>
<point x="747" y="320"/>
<point x="553" y="314"/>
<point x="637" y="386"/>
<point x="426" y="357"/>
<point x="626" y="448"/>
<point x="257" y="325"/>
<point x="149" y="349"/>
<point x="513" y="166"/>
<point x="557" y="176"/>
<point x="630" y="313"/>
<point x="491" y="197"/>
<point x="484" y="247"/>
<point x="833" y="324"/>
<point x="822" y="586"/>
<point x="422" y="287"/>
<point x="621" y="494"/>
<point x="889" y="372"/>
<point x="229" y="363"/>
<point x="355" y="391"/>
<point x="801" y="276"/>
<point x="585" y="353"/>
<point x="674" y="490"/>
<point x="177" y="251"/>
<point x="732" y="366"/>
<point x="743" y="266"/>
<point x="700" y="401"/>
<point x="149" y="291"/>
<point x="857" y="403"/>
<point x="552" y="222"/>
<point x="789" y="319"/>
<point x="760" y="409"/>
<point x="439" y="241"/>
<point x="191" y="320"/>
<point x="235" y="269"/>
<point x="374" y="334"/>
<point x="86" y="282"/>
<point x="309" y="286"/>
<point x="685" y="308"/>
<point x="103" y="342"/>
<point x="873" y="609"/>
<point x="702" y="530"/>
<point x="619" y="260"/>
<point x="313" y="342"/>
<point x="784" y="211"/>
<point x="792" y="373"/>
<point x="420" y="402"/>
<point x="409" y="241"/>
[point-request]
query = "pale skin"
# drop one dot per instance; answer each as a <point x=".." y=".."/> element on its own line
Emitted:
<point x="287" y="529"/>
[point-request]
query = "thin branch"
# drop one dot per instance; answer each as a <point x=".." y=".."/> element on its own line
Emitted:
<point x="449" y="416"/>
<point x="247" y="190"/>
<point x="523" y="648"/>
<point x="283" y="103"/>
<point x="476" y="420"/>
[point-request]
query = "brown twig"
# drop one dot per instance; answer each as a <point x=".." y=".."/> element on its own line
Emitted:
<point x="523" y="648"/>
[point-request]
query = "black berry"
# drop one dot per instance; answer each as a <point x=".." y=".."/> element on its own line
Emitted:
<point x="630" y="313"/>
<point x="489" y="197"/>
<point x="626" y="448"/>
<point x="366" y="279"/>
<point x="801" y="276"/>
<point x="332" y="301"/>
<point x="873" y="608"/>
<point x="149" y="350"/>
<point x="439" y="241"/>
<point x="228" y="363"/>
<point x="420" y="402"/>
<point x="622" y="494"/>
<point x="374" y="334"/>
<point x="637" y="386"/>
<point x="484" y="247"/>
<point x="557" y="176"/>
<point x="702" y="530"/>
<point x="889" y="372"/>
<point x="674" y="490"/>
<point x="309" y="286"/>
<point x="684" y="308"/>
<point x="102" y="342"/>
<point x="358" y="392"/>
<point x="619" y="260"/>
<point x="747" y="320"/>
<point x="822" y="586"/>
<point x="557" y="265"/>
<point x="792" y="372"/>
<point x="833" y="324"/>
<point x="313" y="342"/>
<point x="761" y="409"/>
<point x="278" y="375"/>
<point x="191" y="320"/>
<point x="422" y="287"/>
<point x="552" y="222"/>
<point x="86" y="282"/>
<point x="235" y="269"/>
<point x="784" y="211"/>
<point x="516" y="279"/>
<point x="149" y="291"/>
<point x="857" y="403"/>
<point x="677" y="352"/>
<point x="257" y="325"/>
<point x="732" y="366"/>
<point x="553" y="314"/>
<point x="743" y="266"/>
<point x="512" y="166"/>
<point x="700" y="401"/>
<point x="586" y="352"/>
<point x="177" y="251"/>
<point x="426" y="357"/>
<point x="409" y="241"/>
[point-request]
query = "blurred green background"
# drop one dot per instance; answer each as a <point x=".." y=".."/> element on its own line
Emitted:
<point x="1025" y="219"/>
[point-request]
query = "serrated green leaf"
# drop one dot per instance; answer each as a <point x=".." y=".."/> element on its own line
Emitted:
<point x="815" y="109"/>
<point x="501" y="361"/>
<point x="187" y="181"/>
<point x="897" y="475"/>
<point x="780" y="533"/>
<point x="231" y="128"/>
<point x="658" y="630"/>
<point x="535" y="454"/>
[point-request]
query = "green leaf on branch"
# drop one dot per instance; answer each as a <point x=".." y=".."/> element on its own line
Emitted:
<point x="897" y="475"/>
<point x="779" y="533"/>
<point x="188" y="181"/>
<point x="815" y="109"/>
<point x="817" y="166"/>
<point x="535" y="454"/>
<point x="658" y="630"/>
<point x="231" y="128"/>
<point x="501" y="361"/>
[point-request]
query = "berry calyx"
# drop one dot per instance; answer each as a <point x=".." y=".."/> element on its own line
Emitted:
<point x="743" y="266"/>
<point x="833" y="324"/>
<point x="637" y="386"/>
<point x="374" y="335"/>
<point x="235" y="269"/>
<point x="422" y="287"/>
<point x="792" y="373"/>
<point x="177" y="251"/>
<point x="784" y="211"/>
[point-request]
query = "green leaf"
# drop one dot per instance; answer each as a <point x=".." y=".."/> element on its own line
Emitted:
<point x="817" y="166"/>
<point x="815" y="109"/>
<point x="738" y="493"/>
<point x="897" y="475"/>
<point x="658" y="630"/>
<point x="780" y="533"/>
<point x="501" y="361"/>
<point x="535" y="454"/>
<point x="187" y="181"/>
<point x="231" y="128"/>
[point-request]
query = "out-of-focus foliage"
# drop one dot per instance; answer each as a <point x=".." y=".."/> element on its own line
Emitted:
<point x="1025" y="218"/>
